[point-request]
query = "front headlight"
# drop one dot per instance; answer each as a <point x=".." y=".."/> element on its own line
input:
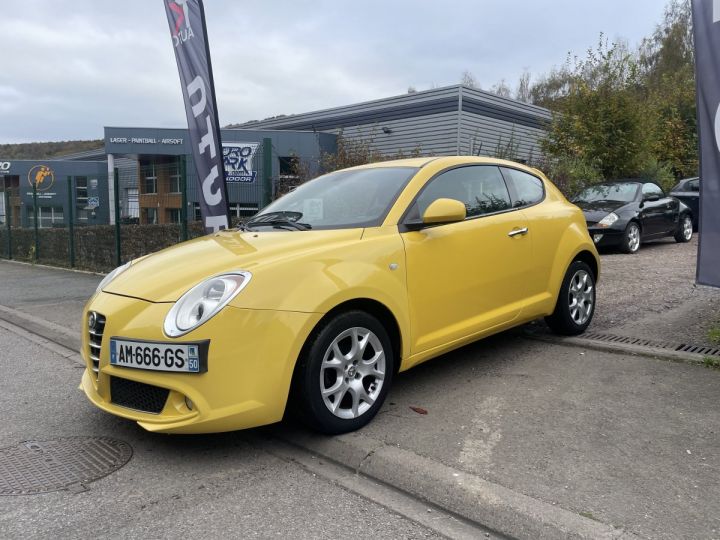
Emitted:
<point x="203" y="301"/>
<point x="608" y="220"/>
<point x="112" y="275"/>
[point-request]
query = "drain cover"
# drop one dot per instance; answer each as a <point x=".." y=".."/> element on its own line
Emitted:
<point x="42" y="466"/>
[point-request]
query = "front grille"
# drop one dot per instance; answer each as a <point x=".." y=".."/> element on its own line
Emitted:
<point x="138" y="396"/>
<point x="95" y="342"/>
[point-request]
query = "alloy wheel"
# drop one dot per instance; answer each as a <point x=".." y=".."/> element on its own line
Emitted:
<point x="352" y="373"/>
<point x="581" y="297"/>
<point x="687" y="228"/>
<point x="634" y="238"/>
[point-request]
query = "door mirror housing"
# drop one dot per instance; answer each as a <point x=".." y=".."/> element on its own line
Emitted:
<point x="444" y="211"/>
<point x="651" y="197"/>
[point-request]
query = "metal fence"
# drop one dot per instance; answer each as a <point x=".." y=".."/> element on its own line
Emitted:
<point x="150" y="207"/>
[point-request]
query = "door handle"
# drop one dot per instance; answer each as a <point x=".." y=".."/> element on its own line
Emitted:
<point x="515" y="232"/>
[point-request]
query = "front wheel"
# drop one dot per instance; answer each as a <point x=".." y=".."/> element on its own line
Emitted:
<point x="345" y="373"/>
<point x="576" y="301"/>
<point x="684" y="231"/>
<point x="631" y="238"/>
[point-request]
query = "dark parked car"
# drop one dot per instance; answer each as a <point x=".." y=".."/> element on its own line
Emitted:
<point x="625" y="213"/>
<point x="688" y="191"/>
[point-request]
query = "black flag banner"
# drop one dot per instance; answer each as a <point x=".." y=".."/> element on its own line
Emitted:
<point x="189" y="38"/>
<point x="706" y="28"/>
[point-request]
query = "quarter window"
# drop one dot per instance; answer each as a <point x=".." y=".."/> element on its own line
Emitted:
<point x="481" y="188"/>
<point x="529" y="189"/>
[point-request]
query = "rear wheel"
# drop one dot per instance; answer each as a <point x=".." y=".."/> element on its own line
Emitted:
<point x="684" y="231"/>
<point x="631" y="238"/>
<point x="576" y="301"/>
<point x="345" y="373"/>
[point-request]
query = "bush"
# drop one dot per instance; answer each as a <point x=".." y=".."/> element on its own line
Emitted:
<point x="571" y="174"/>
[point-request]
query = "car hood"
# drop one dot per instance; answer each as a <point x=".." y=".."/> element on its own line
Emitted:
<point x="166" y="275"/>
<point x="594" y="212"/>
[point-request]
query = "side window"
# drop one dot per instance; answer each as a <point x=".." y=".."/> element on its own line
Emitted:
<point x="652" y="189"/>
<point x="529" y="189"/>
<point x="693" y="185"/>
<point x="480" y="187"/>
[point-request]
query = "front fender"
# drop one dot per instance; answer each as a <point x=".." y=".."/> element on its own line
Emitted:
<point x="578" y="241"/>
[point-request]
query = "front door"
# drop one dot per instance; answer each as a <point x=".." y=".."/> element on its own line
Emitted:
<point x="469" y="276"/>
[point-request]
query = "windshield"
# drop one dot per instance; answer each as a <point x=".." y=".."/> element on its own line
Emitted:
<point x="608" y="193"/>
<point x="341" y="199"/>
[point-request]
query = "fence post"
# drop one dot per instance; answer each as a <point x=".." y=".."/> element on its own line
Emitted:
<point x="71" y="220"/>
<point x="184" y="198"/>
<point x="8" y="220"/>
<point x="266" y="194"/>
<point x="35" y="222"/>
<point x="116" y="202"/>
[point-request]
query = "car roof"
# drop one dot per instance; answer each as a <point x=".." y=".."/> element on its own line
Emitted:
<point x="451" y="160"/>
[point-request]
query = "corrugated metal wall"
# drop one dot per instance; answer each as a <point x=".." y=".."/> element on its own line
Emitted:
<point x="431" y="122"/>
<point x="490" y="124"/>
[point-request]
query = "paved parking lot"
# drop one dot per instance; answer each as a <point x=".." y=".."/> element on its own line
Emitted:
<point x="653" y="295"/>
<point x="624" y="441"/>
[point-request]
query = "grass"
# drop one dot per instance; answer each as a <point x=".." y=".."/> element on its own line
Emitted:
<point x="589" y="515"/>
<point x="711" y="362"/>
<point x="714" y="334"/>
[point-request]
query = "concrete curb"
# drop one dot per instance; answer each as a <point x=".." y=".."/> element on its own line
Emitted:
<point x="622" y="348"/>
<point x="471" y="497"/>
<point x="46" y="329"/>
<point x="50" y="267"/>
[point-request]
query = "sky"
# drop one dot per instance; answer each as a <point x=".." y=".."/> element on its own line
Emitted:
<point x="70" y="67"/>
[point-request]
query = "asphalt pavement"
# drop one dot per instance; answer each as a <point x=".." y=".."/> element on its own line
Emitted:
<point x="527" y="438"/>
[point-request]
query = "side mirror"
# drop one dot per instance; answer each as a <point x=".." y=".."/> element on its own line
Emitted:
<point x="444" y="211"/>
<point x="651" y="198"/>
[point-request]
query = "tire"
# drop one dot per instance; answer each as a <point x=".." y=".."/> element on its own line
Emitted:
<point x="361" y="375"/>
<point x="632" y="237"/>
<point x="575" y="305"/>
<point x="684" y="230"/>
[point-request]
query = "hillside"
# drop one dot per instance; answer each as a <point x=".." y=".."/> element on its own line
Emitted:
<point x="46" y="150"/>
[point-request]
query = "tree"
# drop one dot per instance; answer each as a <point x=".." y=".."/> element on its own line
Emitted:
<point x="522" y="93"/>
<point x="600" y="117"/>
<point x="501" y="89"/>
<point x="468" y="79"/>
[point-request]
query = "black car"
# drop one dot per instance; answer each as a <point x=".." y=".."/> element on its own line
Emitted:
<point x="625" y="213"/>
<point x="688" y="191"/>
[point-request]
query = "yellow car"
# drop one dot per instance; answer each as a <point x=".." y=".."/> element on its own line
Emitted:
<point x="330" y="291"/>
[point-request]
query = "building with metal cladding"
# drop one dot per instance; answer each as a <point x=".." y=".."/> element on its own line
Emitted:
<point x="152" y="163"/>
<point x="455" y="120"/>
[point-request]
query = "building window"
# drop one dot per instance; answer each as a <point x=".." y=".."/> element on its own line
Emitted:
<point x="151" y="216"/>
<point x="133" y="204"/>
<point x="3" y="213"/>
<point x="175" y="181"/>
<point x="289" y="166"/>
<point x="48" y="216"/>
<point x="150" y="179"/>
<point x="243" y="209"/>
<point x="81" y="198"/>
<point x="173" y="215"/>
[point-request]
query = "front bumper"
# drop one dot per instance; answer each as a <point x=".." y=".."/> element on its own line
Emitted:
<point x="251" y="359"/>
<point x="605" y="237"/>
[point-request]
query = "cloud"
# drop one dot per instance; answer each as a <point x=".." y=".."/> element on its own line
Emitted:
<point x="71" y="67"/>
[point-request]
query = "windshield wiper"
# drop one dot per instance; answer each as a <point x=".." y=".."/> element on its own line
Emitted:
<point x="278" y="223"/>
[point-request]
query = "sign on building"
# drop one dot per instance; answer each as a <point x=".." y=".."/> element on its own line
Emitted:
<point x="238" y="161"/>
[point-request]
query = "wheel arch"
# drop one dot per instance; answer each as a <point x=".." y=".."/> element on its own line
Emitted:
<point x="588" y="258"/>
<point x="373" y="307"/>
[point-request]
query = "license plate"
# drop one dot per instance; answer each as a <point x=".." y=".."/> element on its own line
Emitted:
<point x="158" y="356"/>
